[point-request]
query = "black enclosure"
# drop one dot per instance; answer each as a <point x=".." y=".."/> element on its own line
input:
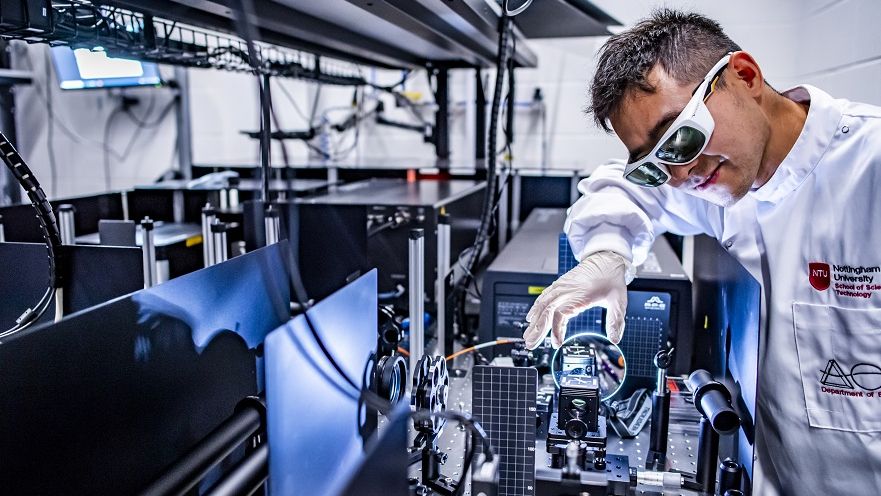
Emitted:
<point x="103" y="401"/>
<point x="544" y="191"/>
<point x="21" y="224"/>
<point x="92" y="275"/>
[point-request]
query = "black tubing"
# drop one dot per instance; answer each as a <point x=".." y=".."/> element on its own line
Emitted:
<point x="246" y="477"/>
<point x="186" y="472"/>
<point x="713" y="401"/>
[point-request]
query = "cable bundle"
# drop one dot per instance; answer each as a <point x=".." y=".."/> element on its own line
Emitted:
<point x="48" y="225"/>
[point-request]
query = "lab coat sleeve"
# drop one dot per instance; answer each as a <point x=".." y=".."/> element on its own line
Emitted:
<point x="616" y="215"/>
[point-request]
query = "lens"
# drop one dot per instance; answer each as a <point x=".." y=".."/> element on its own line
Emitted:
<point x="576" y="428"/>
<point x="682" y="147"/>
<point x="648" y="174"/>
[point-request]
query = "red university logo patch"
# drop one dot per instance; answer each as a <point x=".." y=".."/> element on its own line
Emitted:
<point x="818" y="273"/>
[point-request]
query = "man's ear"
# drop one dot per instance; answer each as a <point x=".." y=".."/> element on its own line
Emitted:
<point x="746" y="71"/>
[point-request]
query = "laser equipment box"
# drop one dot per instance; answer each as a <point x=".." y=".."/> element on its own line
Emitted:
<point x="358" y="226"/>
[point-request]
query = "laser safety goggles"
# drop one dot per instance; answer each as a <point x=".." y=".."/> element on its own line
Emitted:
<point x="684" y="140"/>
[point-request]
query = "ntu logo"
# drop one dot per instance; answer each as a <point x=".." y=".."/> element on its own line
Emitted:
<point x="819" y="275"/>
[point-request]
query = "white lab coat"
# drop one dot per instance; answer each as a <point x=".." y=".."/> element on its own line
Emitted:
<point x="819" y="391"/>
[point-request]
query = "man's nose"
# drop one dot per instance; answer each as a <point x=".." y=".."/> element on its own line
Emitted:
<point x="679" y="174"/>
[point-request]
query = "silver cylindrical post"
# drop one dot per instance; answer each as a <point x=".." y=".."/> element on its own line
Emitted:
<point x="333" y="177"/>
<point x="66" y="224"/>
<point x="233" y="192"/>
<point x="272" y="224"/>
<point x="503" y="210"/>
<point x="661" y="383"/>
<point x="124" y="199"/>
<point x="2" y="231"/>
<point x="573" y="187"/>
<point x="218" y="232"/>
<point x="516" y="189"/>
<point x="417" y="298"/>
<point x="178" y="205"/>
<point x="440" y="292"/>
<point x="149" y="250"/>
<point x="208" y="217"/>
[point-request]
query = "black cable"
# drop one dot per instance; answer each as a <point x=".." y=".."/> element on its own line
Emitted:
<point x="294" y="103"/>
<point x="391" y="88"/>
<point x="48" y="225"/>
<point x="145" y="124"/>
<point x="487" y="212"/>
<point x="493" y="227"/>
<point x="371" y="398"/>
<point x="466" y="465"/>
<point x="141" y="124"/>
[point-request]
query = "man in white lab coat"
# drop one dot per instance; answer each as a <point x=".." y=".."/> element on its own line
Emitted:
<point x="790" y="183"/>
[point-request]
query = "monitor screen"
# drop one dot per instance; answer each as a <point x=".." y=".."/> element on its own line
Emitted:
<point x="82" y="68"/>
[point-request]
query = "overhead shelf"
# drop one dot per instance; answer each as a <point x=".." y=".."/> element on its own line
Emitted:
<point x="564" y="18"/>
<point x="123" y="32"/>
<point x="385" y="33"/>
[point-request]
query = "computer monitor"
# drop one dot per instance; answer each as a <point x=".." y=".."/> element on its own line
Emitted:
<point x="83" y="68"/>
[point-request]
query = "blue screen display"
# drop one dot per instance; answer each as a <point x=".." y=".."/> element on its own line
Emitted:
<point x="90" y="69"/>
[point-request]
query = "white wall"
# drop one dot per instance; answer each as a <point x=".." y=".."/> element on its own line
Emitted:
<point x="832" y="44"/>
<point x="78" y="131"/>
<point x="829" y="43"/>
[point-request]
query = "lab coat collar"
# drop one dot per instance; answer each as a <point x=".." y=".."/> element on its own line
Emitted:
<point x="824" y="115"/>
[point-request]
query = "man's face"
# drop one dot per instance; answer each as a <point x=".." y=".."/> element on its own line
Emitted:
<point x="728" y="167"/>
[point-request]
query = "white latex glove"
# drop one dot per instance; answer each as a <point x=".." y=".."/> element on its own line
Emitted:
<point x="600" y="280"/>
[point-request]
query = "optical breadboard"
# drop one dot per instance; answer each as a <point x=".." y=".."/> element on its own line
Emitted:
<point x="503" y="401"/>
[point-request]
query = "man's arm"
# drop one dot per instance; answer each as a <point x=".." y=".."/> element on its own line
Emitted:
<point x="616" y="215"/>
<point x="611" y="229"/>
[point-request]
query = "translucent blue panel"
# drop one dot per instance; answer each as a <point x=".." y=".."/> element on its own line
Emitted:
<point x="317" y="430"/>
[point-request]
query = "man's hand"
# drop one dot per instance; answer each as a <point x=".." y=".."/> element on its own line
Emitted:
<point x="599" y="280"/>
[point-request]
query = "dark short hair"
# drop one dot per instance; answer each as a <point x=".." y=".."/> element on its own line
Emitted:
<point x="685" y="44"/>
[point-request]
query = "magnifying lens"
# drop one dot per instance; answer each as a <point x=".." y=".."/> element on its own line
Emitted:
<point x="591" y="354"/>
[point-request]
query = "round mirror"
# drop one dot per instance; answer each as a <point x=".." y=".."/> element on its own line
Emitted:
<point x="591" y="355"/>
